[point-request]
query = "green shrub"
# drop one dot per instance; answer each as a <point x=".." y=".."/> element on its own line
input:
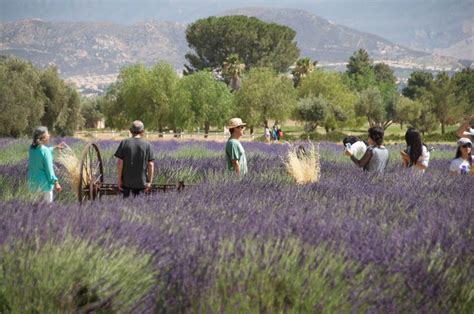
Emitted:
<point x="334" y="136"/>
<point x="72" y="276"/>
<point x="278" y="277"/>
<point x="437" y="137"/>
<point x="395" y="138"/>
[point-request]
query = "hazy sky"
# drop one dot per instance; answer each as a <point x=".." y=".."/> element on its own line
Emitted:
<point x="130" y="11"/>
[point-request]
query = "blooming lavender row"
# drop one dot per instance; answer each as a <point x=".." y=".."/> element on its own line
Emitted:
<point x="401" y="224"/>
<point x="6" y="141"/>
<point x="411" y="236"/>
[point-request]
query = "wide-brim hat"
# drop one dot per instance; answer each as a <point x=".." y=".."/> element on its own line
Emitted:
<point x="235" y="122"/>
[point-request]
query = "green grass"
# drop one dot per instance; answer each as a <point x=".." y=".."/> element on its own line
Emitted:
<point x="10" y="191"/>
<point x="194" y="151"/>
<point x="14" y="152"/>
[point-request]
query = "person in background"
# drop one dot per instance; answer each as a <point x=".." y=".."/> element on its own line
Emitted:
<point x="462" y="162"/>
<point x="280" y="133"/>
<point x="466" y="129"/>
<point x="135" y="162"/>
<point x="41" y="176"/>
<point x="234" y="151"/>
<point x="355" y="145"/>
<point x="275" y="133"/>
<point x="375" y="158"/>
<point x="267" y="134"/>
<point x="416" y="154"/>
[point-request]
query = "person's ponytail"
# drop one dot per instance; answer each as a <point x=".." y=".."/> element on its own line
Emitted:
<point x="38" y="136"/>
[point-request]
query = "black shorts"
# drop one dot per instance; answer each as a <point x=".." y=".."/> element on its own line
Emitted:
<point x="135" y="192"/>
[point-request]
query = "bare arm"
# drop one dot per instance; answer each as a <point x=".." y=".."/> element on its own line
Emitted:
<point x="150" y="171"/>
<point x="119" y="171"/>
<point x="364" y="160"/>
<point x="464" y="127"/>
<point x="236" y="166"/>
<point x="405" y="158"/>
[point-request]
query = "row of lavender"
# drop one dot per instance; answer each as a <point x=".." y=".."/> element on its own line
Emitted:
<point x="350" y="242"/>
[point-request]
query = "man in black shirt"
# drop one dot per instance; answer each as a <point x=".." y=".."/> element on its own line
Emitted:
<point x="135" y="162"/>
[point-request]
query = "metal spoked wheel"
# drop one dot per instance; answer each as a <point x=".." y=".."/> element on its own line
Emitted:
<point x="91" y="173"/>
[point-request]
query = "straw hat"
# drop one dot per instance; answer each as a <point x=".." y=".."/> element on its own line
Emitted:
<point x="235" y="122"/>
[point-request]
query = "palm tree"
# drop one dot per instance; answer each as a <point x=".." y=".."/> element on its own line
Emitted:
<point x="303" y="67"/>
<point x="233" y="67"/>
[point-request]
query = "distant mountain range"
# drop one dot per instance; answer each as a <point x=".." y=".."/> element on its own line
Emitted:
<point x="88" y="48"/>
<point x="423" y="25"/>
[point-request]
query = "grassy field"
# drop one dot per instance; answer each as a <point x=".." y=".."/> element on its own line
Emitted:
<point x="293" y="130"/>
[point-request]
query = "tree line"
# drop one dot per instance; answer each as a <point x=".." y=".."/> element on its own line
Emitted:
<point x="240" y="66"/>
<point x="30" y="97"/>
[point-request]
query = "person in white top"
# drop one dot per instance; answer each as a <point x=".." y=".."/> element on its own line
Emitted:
<point x="462" y="162"/>
<point x="416" y="155"/>
<point x="267" y="134"/>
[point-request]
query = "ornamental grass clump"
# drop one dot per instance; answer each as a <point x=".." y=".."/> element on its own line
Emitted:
<point x="303" y="164"/>
<point x="67" y="158"/>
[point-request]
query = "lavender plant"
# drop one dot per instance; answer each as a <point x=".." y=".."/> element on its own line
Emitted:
<point x="72" y="276"/>
<point x="397" y="243"/>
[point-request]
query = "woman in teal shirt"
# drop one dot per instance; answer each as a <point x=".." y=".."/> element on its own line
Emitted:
<point x="41" y="176"/>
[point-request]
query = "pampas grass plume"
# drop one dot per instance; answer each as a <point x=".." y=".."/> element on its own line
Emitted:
<point x="303" y="164"/>
<point x="71" y="163"/>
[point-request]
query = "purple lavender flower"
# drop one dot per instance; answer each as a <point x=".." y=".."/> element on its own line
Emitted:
<point x="406" y="240"/>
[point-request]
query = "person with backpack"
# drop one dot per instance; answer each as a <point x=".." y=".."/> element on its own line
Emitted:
<point x="280" y="133"/>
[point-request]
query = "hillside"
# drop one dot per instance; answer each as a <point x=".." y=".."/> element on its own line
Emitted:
<point x="420" y="25"/>
<point x="94" y="48"/>
<point x="423" y="25"/>
<point x="83" y="48"/>
<point x="327" y="42"/>
<point x="463" y="49"/>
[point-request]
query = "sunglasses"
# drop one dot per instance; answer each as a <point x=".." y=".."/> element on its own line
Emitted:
<point x="466" y="145"/>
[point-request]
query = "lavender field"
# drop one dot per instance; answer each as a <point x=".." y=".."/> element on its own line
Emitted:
<point x="261" y="244"/>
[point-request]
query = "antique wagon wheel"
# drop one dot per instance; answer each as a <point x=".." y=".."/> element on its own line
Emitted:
<point x="91" y="173"/>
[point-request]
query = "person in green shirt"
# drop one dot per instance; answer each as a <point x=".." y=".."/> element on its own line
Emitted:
<point x="41" y="176"/>
<point x="234" y="151"/>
